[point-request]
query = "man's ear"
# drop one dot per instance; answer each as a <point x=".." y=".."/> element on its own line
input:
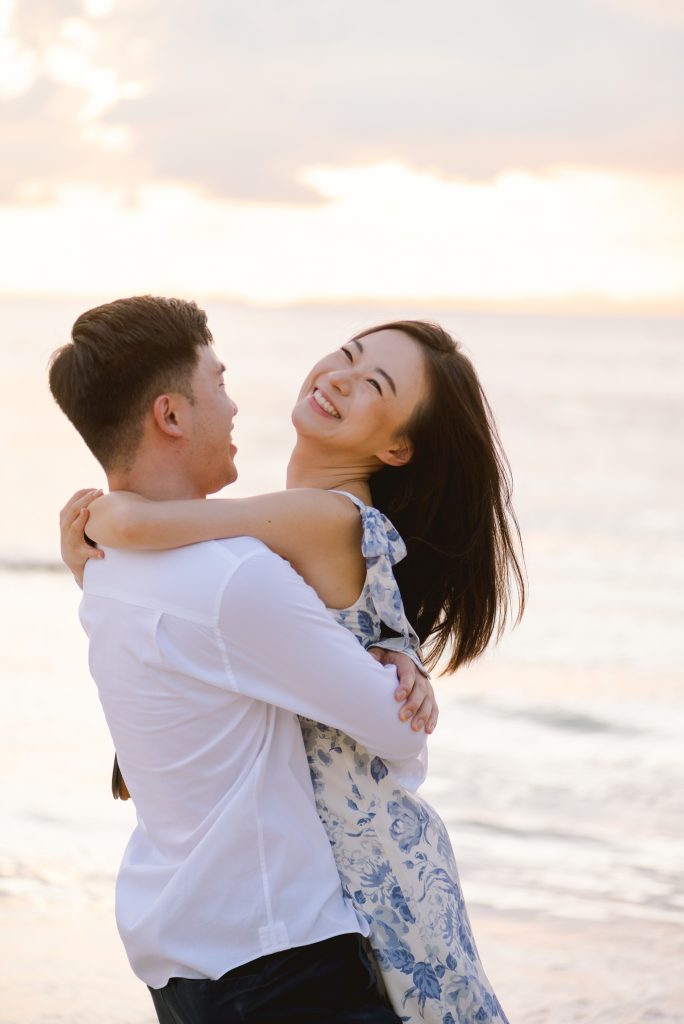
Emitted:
<point x="400" y="455"/>
<point x="165" y="412"/>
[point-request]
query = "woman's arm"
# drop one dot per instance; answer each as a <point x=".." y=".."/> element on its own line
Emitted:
<point x="414" y="691"/>
<point x="122" y="519"/>
<point x="313" y="529"/>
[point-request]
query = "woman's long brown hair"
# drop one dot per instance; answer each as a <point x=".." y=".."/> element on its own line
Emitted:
<point x="452" y="506"/>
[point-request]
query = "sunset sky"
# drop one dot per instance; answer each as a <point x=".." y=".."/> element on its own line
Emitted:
<point x="494" y="154"/>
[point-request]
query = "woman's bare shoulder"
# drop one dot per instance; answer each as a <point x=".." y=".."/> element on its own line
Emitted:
<point x="328" y="515"/>
<point x="328" y="552"/>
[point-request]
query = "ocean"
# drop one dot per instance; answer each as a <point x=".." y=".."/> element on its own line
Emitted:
<point x="557" y="762"/>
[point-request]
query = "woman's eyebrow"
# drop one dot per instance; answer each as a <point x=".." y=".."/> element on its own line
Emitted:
<point x="387" y="377"/>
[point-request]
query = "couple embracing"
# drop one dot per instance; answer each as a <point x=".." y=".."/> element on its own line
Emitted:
<point x="282" y="867"/>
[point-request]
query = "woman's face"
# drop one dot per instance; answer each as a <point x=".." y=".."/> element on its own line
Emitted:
<point x="357" y="399"/>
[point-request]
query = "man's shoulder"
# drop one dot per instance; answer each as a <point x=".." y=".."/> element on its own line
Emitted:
<point x="187" y="581"/>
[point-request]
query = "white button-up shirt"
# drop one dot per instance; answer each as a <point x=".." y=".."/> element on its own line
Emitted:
<point x="203" y="658"/>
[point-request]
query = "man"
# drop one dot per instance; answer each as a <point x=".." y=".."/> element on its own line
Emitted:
<point x="228" y="900"/>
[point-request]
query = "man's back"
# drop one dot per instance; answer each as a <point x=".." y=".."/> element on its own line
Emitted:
<point x="202" y="657"/>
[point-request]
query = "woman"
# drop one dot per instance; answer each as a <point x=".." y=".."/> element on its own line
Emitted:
<point x="392" y="426"/>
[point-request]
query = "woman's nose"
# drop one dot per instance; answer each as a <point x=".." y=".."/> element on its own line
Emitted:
<point x="339" y="379"/>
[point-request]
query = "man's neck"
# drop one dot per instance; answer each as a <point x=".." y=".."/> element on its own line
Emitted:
<point x="158" y="480"/>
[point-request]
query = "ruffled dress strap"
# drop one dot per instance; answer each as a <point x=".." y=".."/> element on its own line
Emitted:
<point x="382" y="547"/>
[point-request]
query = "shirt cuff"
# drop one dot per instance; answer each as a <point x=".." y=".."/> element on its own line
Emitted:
<point x="411" y="772"/>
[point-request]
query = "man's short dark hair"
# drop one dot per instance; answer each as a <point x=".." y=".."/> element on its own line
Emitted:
<point x="121" y="356"/>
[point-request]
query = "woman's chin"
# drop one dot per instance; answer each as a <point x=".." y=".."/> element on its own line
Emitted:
<point x="306" y="421"/>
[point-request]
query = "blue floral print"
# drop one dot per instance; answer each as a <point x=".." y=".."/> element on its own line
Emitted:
<point x="409" y="823"/>
<point x="392" y="850"/>
<point x="380" y="600"/>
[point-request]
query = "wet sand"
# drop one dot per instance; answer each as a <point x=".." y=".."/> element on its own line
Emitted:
<point x="69" y="967"/>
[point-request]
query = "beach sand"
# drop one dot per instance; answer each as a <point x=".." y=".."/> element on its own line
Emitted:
<point x="553" y="971"/>
<point x="69" y="967"/>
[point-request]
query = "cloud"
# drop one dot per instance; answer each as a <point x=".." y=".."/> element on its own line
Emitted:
<point x="238" y="99"/>
<point x="381" y="233"/>
<point x="57" y="89"/>
<point x="666" y="12"/>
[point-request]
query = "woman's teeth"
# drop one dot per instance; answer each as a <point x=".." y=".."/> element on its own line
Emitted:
<point x="325" y="404"/>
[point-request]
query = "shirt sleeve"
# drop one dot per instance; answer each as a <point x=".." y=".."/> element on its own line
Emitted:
<point x="283" y="647"/>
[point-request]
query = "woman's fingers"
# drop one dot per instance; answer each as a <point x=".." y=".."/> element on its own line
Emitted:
<point x="421" y="705"/>
<point x="426" y="715"/>
<point x="81" y="499"/>
<point x="75" y="547"/>
<point x="407" y="674"/>
<point x="413" y="689"/>
<point x="406" y="670"/>
<point x="76" y="550"/>
<point x="77" y="539"/>
<point x="420" y="692"/>
<point x="75" y="501"/>
<point x="433" y="719"/>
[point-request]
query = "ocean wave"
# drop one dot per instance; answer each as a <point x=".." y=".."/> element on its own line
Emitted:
<point x="10" y="564"/>
<point x="571" y="721"/>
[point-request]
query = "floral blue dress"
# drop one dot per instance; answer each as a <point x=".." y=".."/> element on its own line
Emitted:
<point x="392" y="850"/>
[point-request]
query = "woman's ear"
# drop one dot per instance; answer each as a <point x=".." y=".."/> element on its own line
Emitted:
<point x="400" y="455"/>
<point x="165" y="412"/>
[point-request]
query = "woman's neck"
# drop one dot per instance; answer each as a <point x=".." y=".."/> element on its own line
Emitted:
<point x="311" y="468"/>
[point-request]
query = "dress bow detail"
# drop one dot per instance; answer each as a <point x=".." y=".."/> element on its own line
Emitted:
<point x="380" y="600"/>
<point x="382" y="547"/>
<point x="380" y="539"/>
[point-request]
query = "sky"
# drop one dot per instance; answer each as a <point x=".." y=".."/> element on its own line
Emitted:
<point x="526" y="155"/>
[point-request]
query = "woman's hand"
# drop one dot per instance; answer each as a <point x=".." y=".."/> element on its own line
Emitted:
<point x="72" y="522"/>
<point x="413" y="688"/>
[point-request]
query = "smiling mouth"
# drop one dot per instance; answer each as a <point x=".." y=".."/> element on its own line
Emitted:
<point x="325" y="405"/>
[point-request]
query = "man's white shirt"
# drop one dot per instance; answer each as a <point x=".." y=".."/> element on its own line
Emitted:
<point x="203" y="658"/>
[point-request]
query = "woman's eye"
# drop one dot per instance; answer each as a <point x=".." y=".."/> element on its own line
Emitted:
<point x="375" y="384"/>
<point x="347" y="354"/>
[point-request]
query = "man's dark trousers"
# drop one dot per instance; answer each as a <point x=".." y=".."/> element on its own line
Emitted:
<point x="329" y="982"/>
